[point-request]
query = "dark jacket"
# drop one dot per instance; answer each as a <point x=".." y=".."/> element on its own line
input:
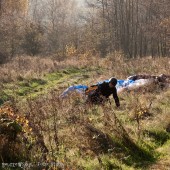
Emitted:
<point x="106" y="91"/>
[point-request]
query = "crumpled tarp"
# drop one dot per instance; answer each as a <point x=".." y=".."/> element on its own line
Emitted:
<point x="78" y="88"/>
<point x="129" y="84"/>
<point x="121" y="86"/>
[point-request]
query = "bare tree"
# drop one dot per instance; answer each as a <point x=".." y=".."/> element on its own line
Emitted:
<point x="133" y="26"/>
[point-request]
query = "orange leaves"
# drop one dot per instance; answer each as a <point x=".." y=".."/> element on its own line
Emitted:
<point x="16" y="5"/>
<point x="142" y="111"/>
<point x="6" y="111"/>
<point x="70" y="50"/>
<point x="14" y="119"/>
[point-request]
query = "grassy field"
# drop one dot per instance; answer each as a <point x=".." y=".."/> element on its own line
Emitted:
<point x="78" y="136"/>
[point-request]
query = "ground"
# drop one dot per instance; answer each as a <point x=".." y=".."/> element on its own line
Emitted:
<point x="133" y="136"/>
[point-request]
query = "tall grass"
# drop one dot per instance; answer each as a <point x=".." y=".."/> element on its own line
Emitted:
<point x="93" y="137"/>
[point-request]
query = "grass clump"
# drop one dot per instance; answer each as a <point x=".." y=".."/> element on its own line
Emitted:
<point x="159" y="137"/>
<point x="3" y="97"/>
<point x="54" y="76"/>
<point x="132" y="137"/>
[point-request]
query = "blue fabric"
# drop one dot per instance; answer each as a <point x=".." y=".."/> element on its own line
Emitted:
<point x="120" y="83"/>
<point x="124" y="83"/>
<point x="78" y="88"/>
<point x="81" y="88"/>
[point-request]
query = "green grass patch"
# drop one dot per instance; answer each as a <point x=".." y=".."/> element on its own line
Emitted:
<point x="37" y="86"/>
<point x="23" y="91"/>
<point x="36" y="82"/>
<point x="54" y="76"/>
<point x="133" y="154"/>
<point x="3" y="97"/>
<point x="158" y="137"/>
<point x="141" y="156"/>
<point x="109" y="162"/>
<point x="72" y="70"/>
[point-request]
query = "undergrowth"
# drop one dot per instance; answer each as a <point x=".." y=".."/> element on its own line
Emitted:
<point x="81" y="136"/>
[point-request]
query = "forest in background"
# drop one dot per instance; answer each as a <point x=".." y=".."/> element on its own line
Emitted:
<point x="47" y="46"/>
<point x="63" y="28"/>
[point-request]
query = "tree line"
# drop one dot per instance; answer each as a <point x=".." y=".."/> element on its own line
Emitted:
<point x="61" y="27"/>
<point x="137" y="27"/>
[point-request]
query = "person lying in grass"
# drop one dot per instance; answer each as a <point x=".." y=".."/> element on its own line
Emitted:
<point x="98" y="94"/>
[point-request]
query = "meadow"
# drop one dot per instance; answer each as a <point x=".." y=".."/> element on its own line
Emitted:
<point x="38" y="126"/>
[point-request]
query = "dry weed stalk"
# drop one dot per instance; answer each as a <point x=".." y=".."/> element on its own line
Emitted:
<point x="25" y="66"/>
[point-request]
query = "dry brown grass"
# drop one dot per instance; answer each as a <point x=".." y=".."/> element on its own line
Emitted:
<point x="26" y="66"/>
<point x="83" y="130"/>
<point x="63" y="124"/>
<point x="122" y="67"/>
<point x="116" y="65"/>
